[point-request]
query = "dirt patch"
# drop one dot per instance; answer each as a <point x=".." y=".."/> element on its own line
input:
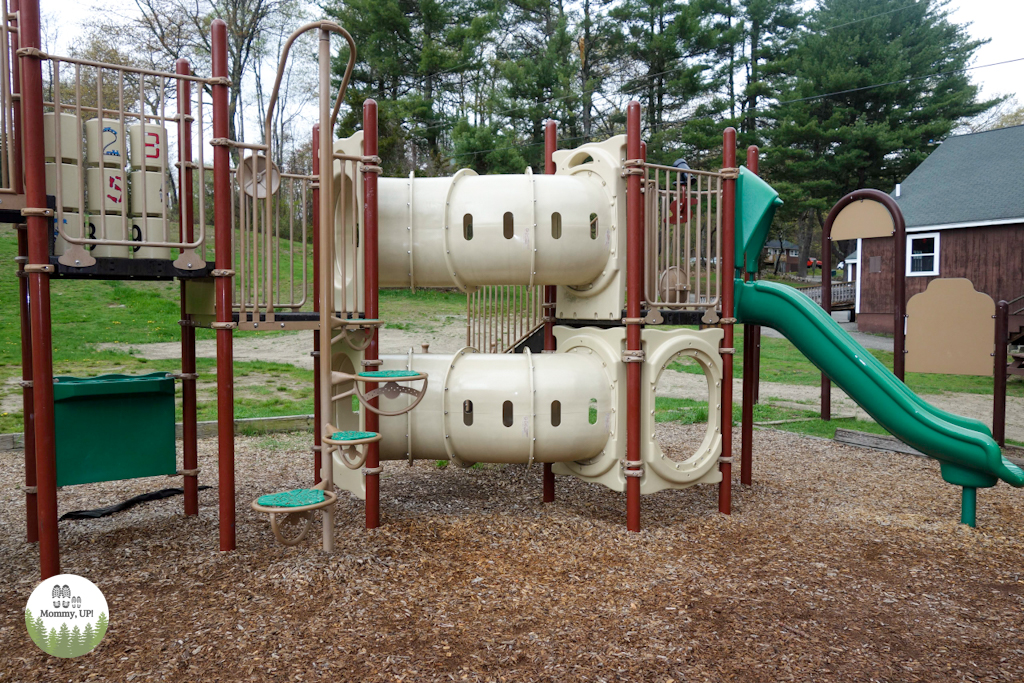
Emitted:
<point x="839" y="564"/>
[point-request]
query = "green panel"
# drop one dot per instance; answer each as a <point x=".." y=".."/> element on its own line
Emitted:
<point x="291" y="499"/>
<point x="114" y="427"/>
<point x="756" y="202"/>
<point x="964" y="446"/>
<point x="352" y="436"/>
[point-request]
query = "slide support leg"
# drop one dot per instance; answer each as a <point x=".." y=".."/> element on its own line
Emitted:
<point x="969" y="506"/>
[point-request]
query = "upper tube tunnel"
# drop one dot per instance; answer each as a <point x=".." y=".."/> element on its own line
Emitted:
<point x="470" y="230"/>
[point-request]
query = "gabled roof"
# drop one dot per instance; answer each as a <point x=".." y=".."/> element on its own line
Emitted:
<point x="975" y="179"/>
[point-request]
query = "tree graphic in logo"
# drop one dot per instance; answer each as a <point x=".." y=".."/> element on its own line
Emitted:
<point x="66" y="616"/>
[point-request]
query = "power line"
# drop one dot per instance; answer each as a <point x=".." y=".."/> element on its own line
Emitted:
<point x="873" y="16"/>
<point x="902" y="80"/>
<point x="802" y="99"/>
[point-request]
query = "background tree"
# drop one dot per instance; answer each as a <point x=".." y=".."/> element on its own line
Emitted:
<point x="868" y="93"/>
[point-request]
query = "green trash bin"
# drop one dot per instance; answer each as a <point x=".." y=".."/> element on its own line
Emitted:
<point x="114" y="427"/>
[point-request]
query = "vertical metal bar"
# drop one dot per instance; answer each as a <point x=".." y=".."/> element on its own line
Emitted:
<point x="999" y="374"/>
<point x="15" y="152"/>
<point x="826" y="304"/>
<point x="318" y="414"/>
<point x="223" y="258"/>
<point x="727" y="263"/>
<point x="749" y="362"/>
<point x="899" y="273"/>
<point x="550" y="293"/>
<point x="27" y="400"/>
<point x="634" y="275"/>
<point x="189" y="424"/>
<point x="326" y="281"/>
<point x="370" y="259"/>
<point x="39" y="294"/>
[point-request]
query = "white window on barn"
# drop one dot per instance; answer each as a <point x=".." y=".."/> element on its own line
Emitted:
<point x="923" y="254"/>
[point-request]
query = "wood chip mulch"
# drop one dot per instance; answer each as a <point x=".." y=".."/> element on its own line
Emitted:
<point x="839" y="564"/>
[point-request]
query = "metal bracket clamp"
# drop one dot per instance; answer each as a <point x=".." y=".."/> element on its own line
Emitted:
<point x="367" y="471"/>
<point x="38" y="268"/>
<point x="24" y="259"/>
<point x="222" y="142"/>
<point x="633" y="356"/>
<point x="726" y="351"/>
<point x="730" y="173"/>
<point x="633" y="321"/>
<point x="188" y="323"/>
<point x="219" y="80"/>
<point x="633" y="167"/>
<point x="182" y="375"/>
<point x="632" y="468"/>
<point x="32" y="52"/>
<point x="317" y="449"/>
<point x="725" y="458"/>
<point x="187" y="473"/>
<point x="25" y="384"/>
<point x="371" y="363"/>
<point x="223" y="326"/>
<point x="31" y="490"/>
<point x="222" y="272"/>
<point x="33" y="211"/>
<point x="314" y="354"/>
<point x="727" y="321"/>
<point x="372" y="168"/>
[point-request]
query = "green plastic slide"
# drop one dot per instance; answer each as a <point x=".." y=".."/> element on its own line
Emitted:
<point x="964" y="447"/>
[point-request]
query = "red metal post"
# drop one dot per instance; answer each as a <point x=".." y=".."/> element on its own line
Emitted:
<point x="728" y="257"/>
<point x="223" y="258"/>
<point x="899" y="274"/>
<point x="189" y="425"/>
<point x="370" y="268"/>
<point x="550" y="291"/>
<point x="318" y="423"/>
<point x="826" y="304"/>
<point x="39" y="292"/>
<point x="634" y="284"/>
<point x="27" y="400"/>
<point x="899" y="278"/>
<point x="750" y="370"/>
<point x="999" y="373"/>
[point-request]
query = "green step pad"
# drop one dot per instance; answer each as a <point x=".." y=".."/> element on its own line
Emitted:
<point x="292" y="499"/>
<point x="352" y="436"/>
<point x="389" y="374"/>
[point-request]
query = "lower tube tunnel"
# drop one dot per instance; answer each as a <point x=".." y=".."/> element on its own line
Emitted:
<point x="502" y="408"/>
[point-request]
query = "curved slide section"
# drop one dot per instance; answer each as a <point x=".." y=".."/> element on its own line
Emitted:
<point x="964" y="447"/>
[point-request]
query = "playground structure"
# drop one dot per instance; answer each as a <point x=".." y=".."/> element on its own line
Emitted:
<point x="600" y="226"/>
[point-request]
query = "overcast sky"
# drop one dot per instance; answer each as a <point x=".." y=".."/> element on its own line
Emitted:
<point x="998" y="20"/>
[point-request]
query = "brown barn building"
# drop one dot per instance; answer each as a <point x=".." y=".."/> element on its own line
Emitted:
<point x="964" y="210"/>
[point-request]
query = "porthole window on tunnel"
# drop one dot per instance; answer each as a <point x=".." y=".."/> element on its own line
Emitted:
<point x="506" y="413"/>
<point x="556" y="413"/>
<point x="467" y="226"/>
<point x="593" y="226"/>
<point x="556" y="225"/>
<point x="508" y="226"/>
<point x="467" y="413"/>
<point x="592" y="413"/>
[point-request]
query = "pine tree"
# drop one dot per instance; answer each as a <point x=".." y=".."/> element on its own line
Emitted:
<point x="101" y="629"/>
<point x="52" y="642"/>
<point x="870" y="91"/>
<point x="33" y="628"/>
<point x="63" y="648"/>
<point x="88" y="638"/>
<point x="77" y="646"/>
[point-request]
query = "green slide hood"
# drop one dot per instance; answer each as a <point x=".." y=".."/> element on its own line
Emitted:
<point x="756" y="202"/>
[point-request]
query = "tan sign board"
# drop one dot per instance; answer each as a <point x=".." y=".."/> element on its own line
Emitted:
<point x="950" y="329"/>
<point x="862" y="219"/>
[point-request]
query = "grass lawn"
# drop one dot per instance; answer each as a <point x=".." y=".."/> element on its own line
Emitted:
<point x="782" y="362"/>
<point x="90" y="312"/>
